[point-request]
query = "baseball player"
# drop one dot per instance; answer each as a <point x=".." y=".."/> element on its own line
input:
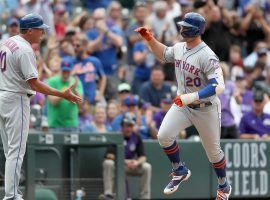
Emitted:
<point x="200" y="80"/>
<point x="18" y="81"/>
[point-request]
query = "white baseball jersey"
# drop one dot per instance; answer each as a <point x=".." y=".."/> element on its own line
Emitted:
<point x="17" y="65"/>
<point x="193" y="68"/>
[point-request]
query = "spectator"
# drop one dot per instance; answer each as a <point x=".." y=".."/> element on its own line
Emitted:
<point x="89" y="70"/>
<point x="235" y="58"/>
<point x="228" y="124"/>
<point x="85" y="117"/>
<point x="243" y="95"/>
<point x="115" y="14"/>
<point x="98" y="124"/>
<point x="61" y="17"/>
<point x="217" y="27"/>
<point x="12" y="28"/>
<point x="159" y="115"/>
<point x="62" y="114"/>
<point x="140" y="14"/>
<point x="112" y="111"/>
<point x="43" y="8"/>
<point x="124" y="90"/>
<point x="129" y="104"/>
<point x="155" y="89"/>
<point x="135" y="160"/>
<point x="104" y="41"/>
<point x="144" y="60"/>
<point x="174" y="9"/>
<point x="66" y="48"/>
<point x="161" y="24"/>
<point x="254" y="25"/>
<point x="251" y="59"/>
<point x="256" y="124"/>
<point x="147" y="127"/>
<point x="84" y="21"/>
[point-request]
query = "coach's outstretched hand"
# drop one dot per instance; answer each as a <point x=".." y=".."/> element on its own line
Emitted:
<point x="145" y="33"/>
<point x="178" y="101"/>
<point x="70" y="96"/>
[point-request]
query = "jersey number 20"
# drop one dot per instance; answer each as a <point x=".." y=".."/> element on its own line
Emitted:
<point x="193" y="82"/>
<point x="3" y="63"/>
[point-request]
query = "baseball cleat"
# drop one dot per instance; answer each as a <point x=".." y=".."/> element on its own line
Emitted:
<point x="178" y="176"/>
<point x="224" y="193"/>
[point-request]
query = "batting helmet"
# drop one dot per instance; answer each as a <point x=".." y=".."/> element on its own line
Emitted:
<point x="32" y="21"/>
<point x="193" y="25"/>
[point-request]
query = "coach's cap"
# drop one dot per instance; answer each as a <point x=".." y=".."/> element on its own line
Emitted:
<point x="12" y="21"/>
<point x="124" y="87"/>
<point x="67" y="64"/>
<point x="32" y="21"/>
<point x="131" y="100"/>
<point x="129" y="118"/>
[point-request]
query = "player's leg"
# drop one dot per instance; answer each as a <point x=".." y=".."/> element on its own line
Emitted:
<point x="17" y="112"/>
<point x="174" y="121"/>
<point x="2" y="130"/>
<point x="108" y="177"/>
<point x="144" y="171"/>
<point x="145" y="183"/>
<point x="209" y="130"/>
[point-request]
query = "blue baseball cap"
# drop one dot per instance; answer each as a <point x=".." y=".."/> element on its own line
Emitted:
<point x="13" y="21"/>
<point x="67" y="64"/>
<point x="131" y="100"/>
<point x="32" y="21"/>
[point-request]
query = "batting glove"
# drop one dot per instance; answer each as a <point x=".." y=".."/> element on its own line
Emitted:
<point x="178" y="101"/>
<point x="145" y="33"/>
<point x="189" y="98"/>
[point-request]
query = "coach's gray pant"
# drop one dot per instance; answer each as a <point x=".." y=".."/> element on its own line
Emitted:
<point x="14" y="126"/>
<point x="144" y="170"/>
<point x="206" y="120"/>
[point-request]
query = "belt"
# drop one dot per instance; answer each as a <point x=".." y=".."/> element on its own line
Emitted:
<point x="201" y="105"/>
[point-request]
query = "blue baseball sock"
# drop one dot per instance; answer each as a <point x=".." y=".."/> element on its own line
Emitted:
<point x="173" y="154"/>
<point x="220" y="169"/>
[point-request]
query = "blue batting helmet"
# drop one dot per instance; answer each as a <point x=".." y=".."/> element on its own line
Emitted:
<point x="193" y="25"/>
<point x="32" y="21"/>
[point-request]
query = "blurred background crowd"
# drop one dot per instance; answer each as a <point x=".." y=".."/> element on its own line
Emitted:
<point x="93" y="43"/>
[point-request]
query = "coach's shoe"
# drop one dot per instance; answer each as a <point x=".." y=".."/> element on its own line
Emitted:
<point x="224" y="193"/>
<point x="178" y="175"/>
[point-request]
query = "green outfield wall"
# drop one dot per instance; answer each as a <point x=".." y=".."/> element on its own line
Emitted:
<point x="63" y="161"/>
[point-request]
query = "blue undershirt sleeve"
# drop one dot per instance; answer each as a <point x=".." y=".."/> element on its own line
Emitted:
<point x="208" y="90"/>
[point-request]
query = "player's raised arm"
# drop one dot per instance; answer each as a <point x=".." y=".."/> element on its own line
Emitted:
<point x="156" y="46"/>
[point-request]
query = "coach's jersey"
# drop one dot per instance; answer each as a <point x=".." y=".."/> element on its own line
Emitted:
<point x="193" y="67"/>
<point x="17" y="65"/>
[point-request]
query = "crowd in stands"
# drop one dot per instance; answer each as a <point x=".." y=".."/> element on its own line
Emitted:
<point x="93" y="44"/>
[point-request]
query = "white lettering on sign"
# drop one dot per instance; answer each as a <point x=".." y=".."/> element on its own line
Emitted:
<point x="245" y="176"/>
<point x="247" y="168"/>
<point x="254" y="189"/>
<point x="263" y="161"/>
<point x="254" y="155"/>
<point x="263" y="182"/>
<point x="236" y="155"/>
